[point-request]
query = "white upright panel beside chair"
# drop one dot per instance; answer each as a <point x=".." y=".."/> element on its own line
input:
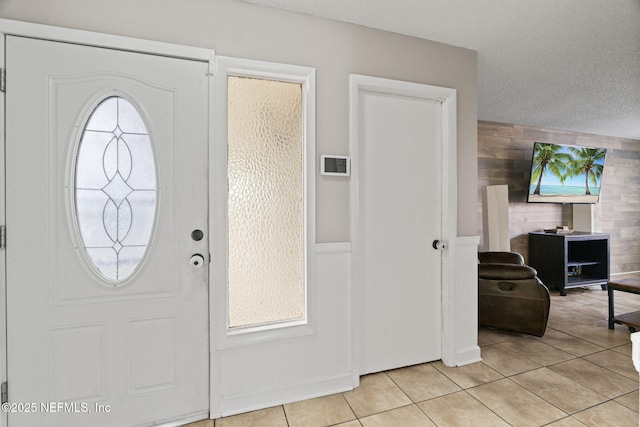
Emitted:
<point x="497" y="217"/>
<point x="583" y="217"/>
<point x="635" y="350"/>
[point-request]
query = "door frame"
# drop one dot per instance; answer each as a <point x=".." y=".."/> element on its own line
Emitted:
<point x="447" y="97"/>
<point x="88" y="38"/>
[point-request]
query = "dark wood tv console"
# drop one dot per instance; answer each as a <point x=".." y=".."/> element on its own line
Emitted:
<point x="570" y="260"/>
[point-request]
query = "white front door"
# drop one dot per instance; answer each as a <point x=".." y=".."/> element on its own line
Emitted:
<point x="106" y="180"/>
<point x="399" y="205"/>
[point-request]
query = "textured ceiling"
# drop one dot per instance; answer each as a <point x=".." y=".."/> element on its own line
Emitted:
<point x="562" y="64"/>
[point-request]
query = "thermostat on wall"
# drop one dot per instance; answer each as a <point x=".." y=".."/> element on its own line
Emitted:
<point x="335" y="165"/>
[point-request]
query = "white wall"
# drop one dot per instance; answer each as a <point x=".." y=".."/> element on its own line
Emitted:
<point x="335" y="49"/>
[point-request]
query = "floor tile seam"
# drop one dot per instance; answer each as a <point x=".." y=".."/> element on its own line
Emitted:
<point x="581" y="338"/>
<point x="525" y="371"/>
<point x="355" y="417"/>
<point x="571" y="310"/>
<point x="584" y="385"/>
<point x="520" y="354"/>
<point x="519" y="385"/>
<point x="601" y="404"/>
<point x="286" y="418"/>
<point x="385" y="411"/>
<point x="542" y="364"/>
<point x="560" y="373"/>
<point x="481" y="403"/>
<point x="563" y="410"/>
<point x="437" y="397"/>
<point x="608" y="346"/>
<point x="427" y="415"/>
<point x="620" y="346"/>
<point x="358" y="418"/>
<point x="635" y="378"/>
<point x="486" y="383"/>
<point x="637" y="407"/>
<point x="567" y="417"/>
<point x="475" y="385"/>
<point x="600" y="351"/>
<point x="349" y="404"/>
<point x="568" y="352"/>
<point x="343" y="422"/>
<point x="564" y="361"/>
<point x="398" y="385"/>
<point x="545" y="400"/>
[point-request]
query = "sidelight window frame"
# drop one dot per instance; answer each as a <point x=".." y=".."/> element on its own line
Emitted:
<point x="224" y="336"/>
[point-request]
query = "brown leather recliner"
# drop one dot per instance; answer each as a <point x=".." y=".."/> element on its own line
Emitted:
<point x="510" y="295"/>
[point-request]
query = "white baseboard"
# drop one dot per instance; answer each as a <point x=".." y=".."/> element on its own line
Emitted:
<point x="625" y="273"/>
<point x="468" y="356"/>
<point x="246" y="402"/>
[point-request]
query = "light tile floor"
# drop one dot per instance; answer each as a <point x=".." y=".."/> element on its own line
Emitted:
<point x="579" y="374"/>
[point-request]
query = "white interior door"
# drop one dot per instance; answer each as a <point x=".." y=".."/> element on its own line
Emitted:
<point x="109" y="344"/>
<point x="399" y="203"/>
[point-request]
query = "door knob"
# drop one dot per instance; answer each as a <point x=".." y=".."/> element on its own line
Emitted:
<point x="438" y="245"/>
<point x="197" y="261"/>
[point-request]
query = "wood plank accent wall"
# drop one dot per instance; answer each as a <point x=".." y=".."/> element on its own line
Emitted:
<point x="504" y="157"/>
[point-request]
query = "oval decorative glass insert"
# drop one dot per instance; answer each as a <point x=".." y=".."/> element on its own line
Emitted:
<point x="115" y="189"/>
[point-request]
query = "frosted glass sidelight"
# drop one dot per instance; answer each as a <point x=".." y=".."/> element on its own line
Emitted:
<point x="115" y="189"/>
<point x="265" y="202"/>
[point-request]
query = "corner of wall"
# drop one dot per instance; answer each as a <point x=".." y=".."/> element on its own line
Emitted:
<point x="460" y="305"/>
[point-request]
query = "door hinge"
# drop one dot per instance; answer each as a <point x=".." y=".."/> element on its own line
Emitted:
<point x="3" y="80"/>
<point x="3" y="237"/>
<point x="4" y="393"/>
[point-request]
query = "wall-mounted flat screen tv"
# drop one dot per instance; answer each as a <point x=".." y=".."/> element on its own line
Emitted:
<point x="565" y="174"/>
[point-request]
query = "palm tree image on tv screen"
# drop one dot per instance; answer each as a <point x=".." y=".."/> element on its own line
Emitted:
<point x="565" y="174"/>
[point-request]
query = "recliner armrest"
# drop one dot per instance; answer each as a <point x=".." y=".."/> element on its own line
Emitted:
<point x="506" y="272"/>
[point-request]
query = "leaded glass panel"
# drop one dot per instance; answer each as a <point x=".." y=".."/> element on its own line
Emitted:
<point x="115" y="189"/>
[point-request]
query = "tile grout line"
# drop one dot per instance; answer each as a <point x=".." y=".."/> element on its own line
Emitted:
<point x="350" y="408"/>
<point x="410" y="399"/>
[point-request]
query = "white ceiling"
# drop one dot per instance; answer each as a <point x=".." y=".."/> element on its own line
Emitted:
<point x="562" y="64"/>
